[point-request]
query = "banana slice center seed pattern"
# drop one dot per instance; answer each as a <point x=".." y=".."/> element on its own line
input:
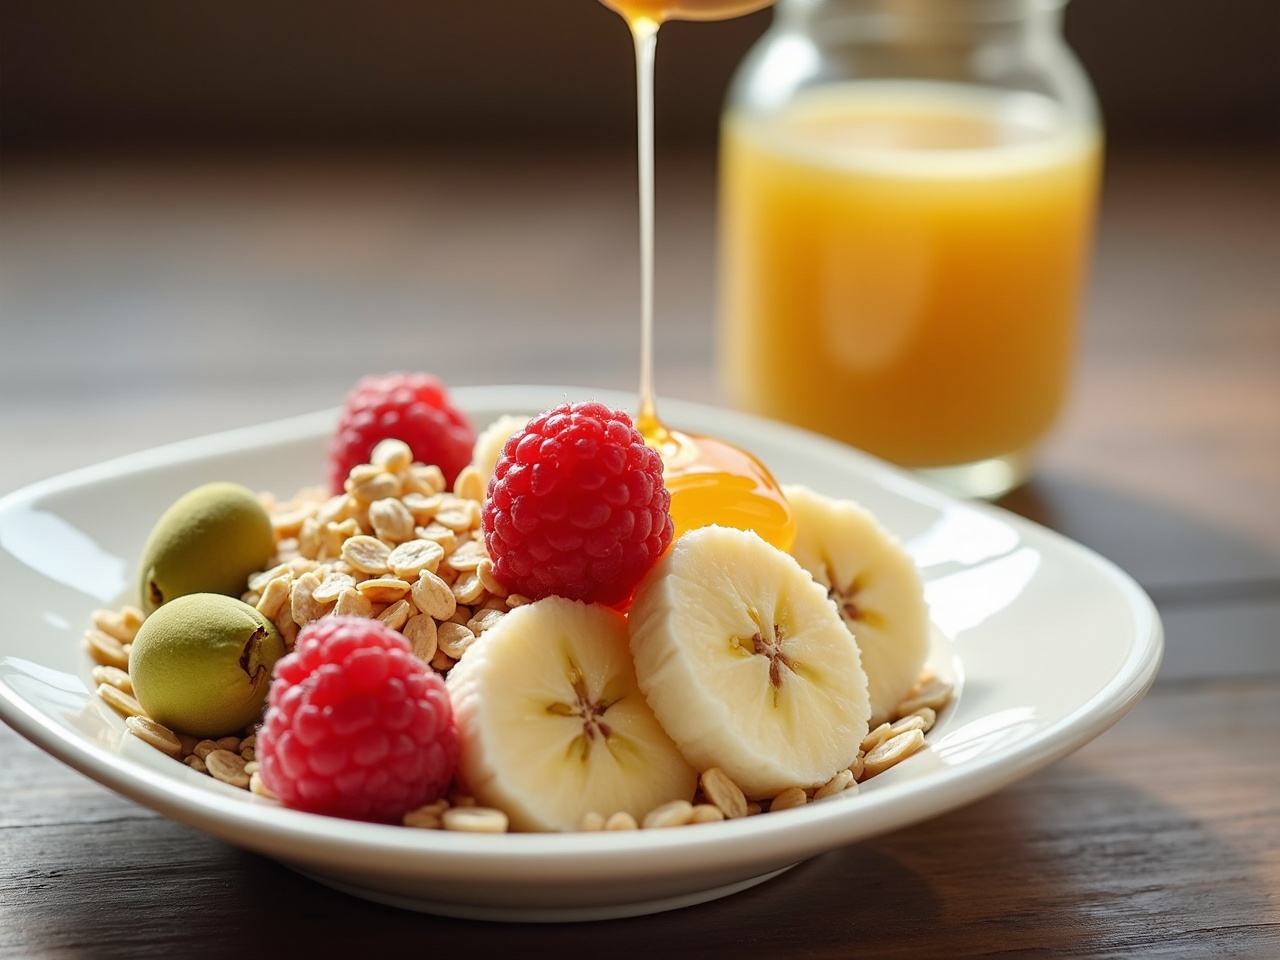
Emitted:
<point x="768" y="643"/>
<point x="590" y="712"/>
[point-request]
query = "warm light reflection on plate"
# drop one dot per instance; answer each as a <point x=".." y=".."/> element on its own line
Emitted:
<point x="985" y="735"/>
<point x="961" y="536"/>
<point x="967" y="599"/>
<point x="55" y="548"/>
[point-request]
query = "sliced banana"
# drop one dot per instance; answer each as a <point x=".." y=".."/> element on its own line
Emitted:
<point x="746" y="663"/>
<point x="491" y="440"/>
<point x="875" y="586"/>
<point x="551" y="722"/>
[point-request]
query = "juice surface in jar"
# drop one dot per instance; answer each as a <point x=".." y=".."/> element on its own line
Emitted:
<point x="902" y="264"/>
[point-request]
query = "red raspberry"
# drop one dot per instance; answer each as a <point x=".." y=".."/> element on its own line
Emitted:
<point x="577" y="507"/>
<point x="356" y="725"/>
<point x="413" y="407"/>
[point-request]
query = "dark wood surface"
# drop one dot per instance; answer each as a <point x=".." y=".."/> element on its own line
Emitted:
<point x="146" y="304"/>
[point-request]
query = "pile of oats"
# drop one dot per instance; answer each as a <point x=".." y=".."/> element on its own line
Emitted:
<point x="395" y="546"/>
<point x="398" y="547"/>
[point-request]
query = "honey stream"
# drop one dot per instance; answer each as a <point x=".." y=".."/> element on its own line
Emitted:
<point x="710" y="480"/>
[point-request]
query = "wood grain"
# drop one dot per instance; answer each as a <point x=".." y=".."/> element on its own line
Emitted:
<point x="1153" y="841"/>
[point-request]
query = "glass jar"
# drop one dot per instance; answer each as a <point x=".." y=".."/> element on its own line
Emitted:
<point x="907" y="195"/>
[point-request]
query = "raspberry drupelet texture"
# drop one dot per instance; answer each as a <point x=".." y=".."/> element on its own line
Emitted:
<point x="356" y="725"/>
<point x="577" y="507"/>
<point x="413" y="407"/>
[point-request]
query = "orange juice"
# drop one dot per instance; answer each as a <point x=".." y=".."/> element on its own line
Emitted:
<point x="902" y="265"/>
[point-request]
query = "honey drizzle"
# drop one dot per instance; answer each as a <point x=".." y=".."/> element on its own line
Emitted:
<point x="644" y="32"/>
<point x="694" y="466"/>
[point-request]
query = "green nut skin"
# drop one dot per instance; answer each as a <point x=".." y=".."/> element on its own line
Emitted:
<point x="202" y="664"/>
<point x="209" y="541"/>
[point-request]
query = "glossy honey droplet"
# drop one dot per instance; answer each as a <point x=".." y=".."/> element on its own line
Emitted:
<point x="713" y="482"/>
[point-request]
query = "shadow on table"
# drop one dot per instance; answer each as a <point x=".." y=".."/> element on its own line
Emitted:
<point x="985" y="879"/>
<point x="1218" y="592"/>
<point x="1068" y="863"/>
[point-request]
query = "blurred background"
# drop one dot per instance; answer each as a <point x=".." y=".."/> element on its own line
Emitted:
<point x="218" y="213"/>
<point x="80" y="76"/>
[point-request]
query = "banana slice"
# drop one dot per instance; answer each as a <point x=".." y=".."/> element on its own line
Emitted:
<point x="746" y="663"/>
<point x="874" y="584"/>
<point x="491" y="440"/>
<point x="552" y="724"/>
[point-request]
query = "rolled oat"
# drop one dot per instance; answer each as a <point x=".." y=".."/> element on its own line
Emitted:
<point x="106" y="649"/>
<point x="420" y="631"/>
<point x="470" y="484"/>
<point x="257" y="787"/>
<point x="303" y="606"/>
<point x="370" y="482"/>
<point x="391" y="520"/>
<point x="397" y="614"/>
<point x="788" y="798"/>
<point x="424" y="818"/>
<point x="409" y="559"/>
<point x="122" y="625"/>
<point x="837" y="784"/>
<point x="392" y="454"/>
<point x="892" y="751"/>
<point x="367" y="554"/>
<point x="706" y="813"/>
<point x="353" y="603"/>
<point x="453" y="639"/>
<point x="275" y="594"/>
<point x="432" y="596"/>
<point x="676" y="813"/>
<point x="227" y="767"/>
<point x="935" y="695"/>
<point x="383" y="589"/>
<point x="475" y="820"/>
<point x="114" y="676"/>
<point x="157" y="735"/>
<point x="119" y="701"/>
<point x="724" y="793"/>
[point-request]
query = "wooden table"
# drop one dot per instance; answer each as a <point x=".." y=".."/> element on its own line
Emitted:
<point x="147" y="304"/>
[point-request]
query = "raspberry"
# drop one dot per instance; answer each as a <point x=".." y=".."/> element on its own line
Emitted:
<point x="576" y="507"/>
<point x="413" y="407"/>
<point x="356" y="725"/>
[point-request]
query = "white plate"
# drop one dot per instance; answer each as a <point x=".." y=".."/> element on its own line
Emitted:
<point x="1048" y="643"/>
